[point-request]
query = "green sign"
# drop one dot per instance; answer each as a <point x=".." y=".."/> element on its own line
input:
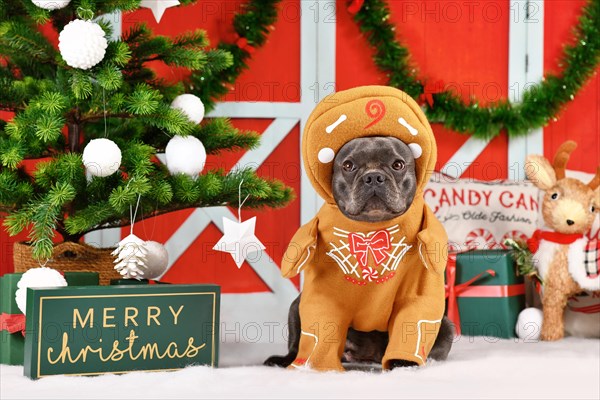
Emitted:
<point x="113" y="329"/>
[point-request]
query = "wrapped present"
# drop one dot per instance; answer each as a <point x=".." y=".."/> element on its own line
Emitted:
<point x="484" y="293"/>
<point x="12" y="321"/>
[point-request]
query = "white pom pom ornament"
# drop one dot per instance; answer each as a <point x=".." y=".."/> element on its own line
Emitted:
<point x="36" y="277"/>
<point x="185" y="155"/>
<point x="82" y="44"/>
<point x="101" y="157"/>
<point x="529" y="324"/>
<point x="51" y="4"/>
<point x="157" y="260"/>
<point x="191" y="106"/>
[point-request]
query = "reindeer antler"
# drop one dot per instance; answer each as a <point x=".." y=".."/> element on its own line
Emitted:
<point x="562" y="156"/>
<point x="595" y="182"/>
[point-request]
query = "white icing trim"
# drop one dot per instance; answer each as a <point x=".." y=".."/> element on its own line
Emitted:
<point x="421" y="256"/>
<point x="336" y="229"/>
<point x="419" y="334"/>
<point x="331" y="127"/>
<point x="307" y="257"/>
<point x="413" y="131"/>
<point x="338" y="260"/>
<point x="306" y="365"/>
<point x="399" y="249"/>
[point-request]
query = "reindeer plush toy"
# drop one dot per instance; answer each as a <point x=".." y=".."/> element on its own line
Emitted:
<point x="566" y="260"/>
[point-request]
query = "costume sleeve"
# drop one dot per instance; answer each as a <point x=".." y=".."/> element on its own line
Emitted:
<point x="415" y="323"/>
<point x="300" y="250"/>
<point x="433" y="242"/>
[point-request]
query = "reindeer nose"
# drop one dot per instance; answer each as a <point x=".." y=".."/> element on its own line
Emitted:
<point x="373" y="179"/>
<point x="570" y="222"/>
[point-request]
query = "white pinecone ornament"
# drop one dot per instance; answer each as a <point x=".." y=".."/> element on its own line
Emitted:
<point x="51" y="4"/>
<point x="82" y="44"/>
<point x="131" y="255"/>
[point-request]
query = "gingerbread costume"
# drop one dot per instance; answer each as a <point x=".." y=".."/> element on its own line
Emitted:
<point x="386" y="276"/>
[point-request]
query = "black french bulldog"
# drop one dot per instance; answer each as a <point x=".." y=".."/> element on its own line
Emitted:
<point x="373" y="180"/>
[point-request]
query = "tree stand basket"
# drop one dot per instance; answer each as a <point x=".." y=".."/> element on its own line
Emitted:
<point x="70" y="257"/>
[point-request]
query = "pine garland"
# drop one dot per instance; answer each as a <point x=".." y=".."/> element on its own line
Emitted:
<point x="541" y="102"/>
<point x="46" y="96"/>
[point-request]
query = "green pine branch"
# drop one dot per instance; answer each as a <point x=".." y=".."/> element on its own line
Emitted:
<point x="59" y="109"/>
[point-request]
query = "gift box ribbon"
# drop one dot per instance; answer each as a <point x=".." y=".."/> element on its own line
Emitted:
<point x="12" y="323"/>
<point x="465" y="289"/>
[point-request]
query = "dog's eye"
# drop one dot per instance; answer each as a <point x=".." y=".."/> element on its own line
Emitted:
<point x="348" y="166"/>
<point x="554" y="196"/>
<point x="398" y="165"/>
<point x="593" y="209"/>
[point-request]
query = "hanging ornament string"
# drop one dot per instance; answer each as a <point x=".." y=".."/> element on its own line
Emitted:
<point x="238" y="238"/>
<point x="104" y="107"/>
<point x="540" y="103"/>
<point x="131" y="252"/>
<point x="240" y="202"/>
<point x="133" y="214"/>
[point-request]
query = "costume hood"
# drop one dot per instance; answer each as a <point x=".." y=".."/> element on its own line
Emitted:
<point x="362" y="112"/>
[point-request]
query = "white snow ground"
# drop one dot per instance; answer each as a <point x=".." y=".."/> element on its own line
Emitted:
<point x="477" y="368"/>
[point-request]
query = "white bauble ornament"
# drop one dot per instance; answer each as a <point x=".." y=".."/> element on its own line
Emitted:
<point x="131" y="257"/>
<point x="191" y="106"/>
<point x="51" y="4"/>
<point x="529" y="324"/>
<point x="101" y="157"/>
<point x="82" y="44"/>
<point x="157" y="260"/>
<point x="185" y="155"/>
<point x="35" y="278"/>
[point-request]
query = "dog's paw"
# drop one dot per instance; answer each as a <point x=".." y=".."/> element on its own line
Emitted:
<point x="401" y="364"/>
<point x="279" y="361"/>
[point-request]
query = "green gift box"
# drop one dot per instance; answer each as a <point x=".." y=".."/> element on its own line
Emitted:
<point x="489" y="294"/>
<point x="12" y="344"/>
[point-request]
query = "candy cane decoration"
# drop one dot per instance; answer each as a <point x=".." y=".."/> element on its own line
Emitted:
<point x="514" y="235"/>
<point x="375" y="109"/>
<point x="480" y="239"/>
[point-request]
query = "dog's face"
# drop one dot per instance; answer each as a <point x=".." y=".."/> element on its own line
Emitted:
<point x="374" y="178"/>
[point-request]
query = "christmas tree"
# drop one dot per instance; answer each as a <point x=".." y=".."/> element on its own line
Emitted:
<point x="91" y="87"/>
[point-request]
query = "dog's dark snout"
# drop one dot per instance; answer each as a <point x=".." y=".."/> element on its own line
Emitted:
<point x="373" y="179"/>
<point x="570" y="222"/>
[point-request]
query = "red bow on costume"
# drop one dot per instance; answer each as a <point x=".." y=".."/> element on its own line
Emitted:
<point x="12" y="323"/>
<point x="453" y="290"/>
<point x="561" y="238"/>
<point x="378" y="244"/>
<point x="355" y="6"/>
